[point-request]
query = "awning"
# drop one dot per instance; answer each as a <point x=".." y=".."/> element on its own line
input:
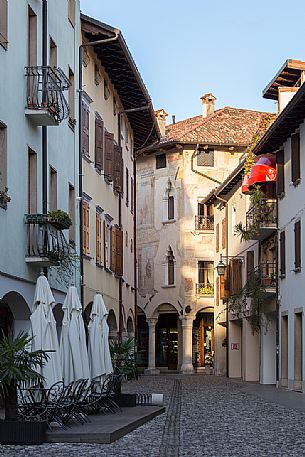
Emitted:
<point x="262" y="171"/>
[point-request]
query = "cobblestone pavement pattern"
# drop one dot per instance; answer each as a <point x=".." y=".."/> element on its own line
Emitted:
<point x="214" y="418"/>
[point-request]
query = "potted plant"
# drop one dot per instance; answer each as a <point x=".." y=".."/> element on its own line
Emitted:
<point x="18" y="365"/>
<point x="60" y="219"/>
<point x="124" y="362"/>
<point x="4" y="198"/>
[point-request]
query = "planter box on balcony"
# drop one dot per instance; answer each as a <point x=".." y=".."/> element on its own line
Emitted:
<point x="60" y="224"/>
<point x="22" y="433"/>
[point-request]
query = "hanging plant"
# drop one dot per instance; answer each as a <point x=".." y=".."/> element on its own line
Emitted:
<point x="59" y="219"/>
<point x="4" y="197"/>
<point x="257" y="206"/>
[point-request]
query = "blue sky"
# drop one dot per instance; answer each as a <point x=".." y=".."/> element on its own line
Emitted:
<point x="184" y="49"/>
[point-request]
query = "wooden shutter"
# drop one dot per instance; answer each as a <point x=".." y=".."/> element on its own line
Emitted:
<point x="282" y="253"/>
<point x="108" y="157"/>
<point x="225" y="284"/>
<point x="224" y="233"/>
<point x="113" y="249"/>
<point x="119" y="253"/>
<point x="131" y="195"/>
<point x="295" y="158"/>
<point x="99" y="143"/>
<point x="217" y="290"/>
<point x="250" y="263"/>
<point x="98" y="248"/>
<point x="171" y="208"/>
<point x="85" y="215"/>
<point x="85" y="129"/>
<point x="127" y="187"/>
<point x="235" y="276"/>
<point x="118" y="169"/>
<point x="280" y="178"/>
<point x="105" y="230"/>
<point x="3" y="23"/>
<point x="297" y="245"/>
<point x="217" y="238"/>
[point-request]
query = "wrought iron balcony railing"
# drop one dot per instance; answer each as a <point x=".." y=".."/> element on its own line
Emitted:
<point x="205" y="289"/>
<point x="45" y="86"/>
<point x="46" y="244"/>
<point x="262" y="218"/>
<point x="204" y="222"/>
<point x="267" y="274"/>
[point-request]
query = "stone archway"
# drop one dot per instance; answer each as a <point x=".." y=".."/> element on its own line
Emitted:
<point x="130" y="327"/>
<point x="17" y="312"/>
<point x="112" y="323"/>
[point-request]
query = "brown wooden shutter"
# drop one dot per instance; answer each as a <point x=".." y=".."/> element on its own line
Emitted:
<point x="297" y="245"/>
<point x="280" y="178"/>
<point x="3" y="23"/>
<point x="108" y="156"/>
<point x="295" y="158"/>
<point x="217" y="290"/>
<point x="224" y="233"/>
<point x="99" y="143"/>
<point x="131" y="195"/>
<point x="119" y="253"/>
<point x="225" y="284"/>
<point x="235" y="276"/>
<point x="217" y="238"/>
<point x="105" y="231"/>
<point x="98" y="247"/>
<point x="127" y="187"/>
<point x="85" y="129"/>
<point x="250" y="263"/>
<point x="282" y="253"/>
<point x="113" y="249"/>
<point x="118" y="169"/>
<point x="85" y="216"/>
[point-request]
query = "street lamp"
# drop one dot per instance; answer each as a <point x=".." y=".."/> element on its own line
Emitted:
<point x="221" y="266"/>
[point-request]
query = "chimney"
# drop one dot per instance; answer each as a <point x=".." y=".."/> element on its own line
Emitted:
<point x="161" y="115"/>
<point x="174" y="119"/>
<point x="208" y="101"/>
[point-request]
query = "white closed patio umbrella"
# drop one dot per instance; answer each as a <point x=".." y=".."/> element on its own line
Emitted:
<point x="44" y="331"/>
<point x="98" y="347"/>
<point x="73" y="348"/>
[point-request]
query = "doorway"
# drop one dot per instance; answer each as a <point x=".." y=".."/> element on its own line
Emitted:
<point x="203" y="340"/>
<point x="167" y="341"/>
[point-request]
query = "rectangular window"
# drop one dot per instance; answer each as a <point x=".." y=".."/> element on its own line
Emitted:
<point x="85" y="214"/>
<point x="53" y="189"/>
<point x="280" y="177"/>
<point x="85" y="129"/>
<point x="205" y="158"/>
<point x="235" y="276"/>
<point x="297" y="246"/>
<point x="295" y="158"/>
<point x="171" y="269"/>
<point x="71" y="95"/>
<point x="171" y="208"/>
<point x="205" y="217"/>
<point x="250" y="264"/>
<point x="131" y="195"/>
<point x="119" y="252"/>
<point x="113" y="249"/>
<point x="118" y="169"/>
<point x="224" y="233"/>
<point x="205" y="277"/>
<point x="99" y="143"/>
<point x="283" y="253"/>
<point x="161" y="161"/>
<point x="72" y="212"/>
<point x="71" y="12"/>
<point x="4" y="23"/>
<point x="127" y="187"/>
<point x="53" y="54"/>
<point x="32" y="182"/>
<point x="32" y="38"/>
<point x="217" y="238"/>
<point x="3" y="156"/>
<point x="98" y="233"/>
<point x="108" y="157"/>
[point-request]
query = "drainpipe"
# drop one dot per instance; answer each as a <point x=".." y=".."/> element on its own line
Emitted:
<point x="120" y="225"/>
<point x="277" y="324"/>
<point x="80" y="156"/>
<point x="44" y="132"/>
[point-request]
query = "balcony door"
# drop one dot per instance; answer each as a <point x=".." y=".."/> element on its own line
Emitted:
<point x="205" y="277"/>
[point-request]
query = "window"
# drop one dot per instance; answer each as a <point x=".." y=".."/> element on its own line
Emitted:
<point x="3" y="23"/>
<point x="282" y="253"/>
<point x="127" y="187"/>
<point x="85" y="129"/>
<point x="161" y="161"/>
<point x="297" y="246"/>
<point x="32" y="182"/>
<point x="85" y="216"/>
<point x="53" y="54"/>
<point x="170" y="267"/>
<point x="71" y="12"/>
<point x="205" y="158"/>
<point x="108" y="157"/>
<point x="118" y="169"/>
<point x="32" y="38"/>
<point x="205" y="217"/>
<point x="99" y="143"/>
<point x="224" y="233"/>
<point x="3" y="156"/>
<point x="98" y="233"/>
<point x="113" y="249"/>
<point x="72" y="212"/>
<point x="53" y="189"/>
<point x="217" y="238"/>
<point x="250" y="264"/>
<point x="169" y="200"/>
<point x="106" y="245"/>
<point x="280" y="177"/>
<point x="205" y="277"/>
<point x="71" y="95"/>
<point x="131" y="195"/>
<point x="171" y="208"/>
<point x="295" y="158"/>
<point x="106" y="90"/>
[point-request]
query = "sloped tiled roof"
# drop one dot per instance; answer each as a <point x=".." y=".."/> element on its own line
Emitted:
<point x="229" y="126"/>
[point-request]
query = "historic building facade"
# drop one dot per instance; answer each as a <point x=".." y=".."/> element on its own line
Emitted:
<point x="175" y="233"/>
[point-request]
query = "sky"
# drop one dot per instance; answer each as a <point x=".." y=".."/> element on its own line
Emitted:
<point x="184" y="49"/>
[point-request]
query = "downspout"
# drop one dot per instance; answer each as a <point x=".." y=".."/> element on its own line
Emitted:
<point x="120" y="226"/>
<point x="80" y="156"/>
<point x="44" y="131"/>
<point x="277" y="323"/>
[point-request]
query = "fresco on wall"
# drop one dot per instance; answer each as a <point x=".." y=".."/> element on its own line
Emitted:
<point x="148" y="253"/>
<point x="145" y="198"/>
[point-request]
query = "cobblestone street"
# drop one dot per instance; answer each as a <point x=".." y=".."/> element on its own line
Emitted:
<point x="206" y="416"/>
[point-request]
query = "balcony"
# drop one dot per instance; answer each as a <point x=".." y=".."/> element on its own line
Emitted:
<point x="203" y="223"/>
<point x="268" y="278"/>
<point x="46" y="243"/>
<point x="261" y="219"/>
<point x="205" y="289"/>
<point x="46" y="104"/>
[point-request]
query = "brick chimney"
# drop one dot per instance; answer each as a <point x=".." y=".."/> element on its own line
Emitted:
<point x="161" y="115"/>
<point x="208" y="102"/>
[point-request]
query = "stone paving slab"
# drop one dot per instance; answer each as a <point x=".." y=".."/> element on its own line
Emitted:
<point x="105" y="428"/>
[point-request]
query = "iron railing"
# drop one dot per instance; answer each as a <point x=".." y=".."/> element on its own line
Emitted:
<point x="45" y="86"/>
<point x="262" y="215"/>
<point x="204" y="222"/>
<point x="205" y="289"/>
<point x="44" y="239"/>
<point x="267" y="274"/>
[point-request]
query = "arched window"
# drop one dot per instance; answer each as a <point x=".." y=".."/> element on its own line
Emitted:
<point x="170" y="274"/>
<point x="169" y="203"/>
